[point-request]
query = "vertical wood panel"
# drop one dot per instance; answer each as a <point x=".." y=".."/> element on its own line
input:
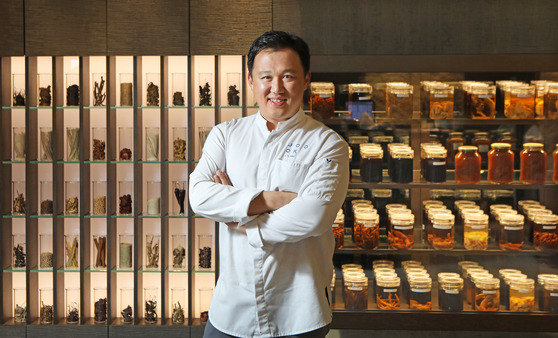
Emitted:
<point x="11" y="34"/>
<point x="408" y="27"/>
<point x="65" y="27"/>
<point x="147" y="27"/>
<point x="227" y="28"/>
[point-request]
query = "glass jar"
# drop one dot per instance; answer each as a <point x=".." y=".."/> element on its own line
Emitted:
<point x="500" y="163"/>
<point x="522" y="295"/>
<point x="71" y="250"/>
<point x="179" y="143"/>
<point x="126" y="92"/>
<point x="46" y="144"/>
<point x="18" y="198"/>
<point x="451" y="296"/>
<point x="443" y="236"/>
<point x="152" y="252"/>
<point x="551" y="295"/>
<point x="435" y="166"/>
<point x="46" y="306"/>
<point x="487" y="294"/>
<point x="395" y="213"/>
<point x="399" y="100"/>
<point x="99" y="202"/>
<point x="72" y="305"/>
<point x="125" y="251"/>
<point x="453" y="142"/>
<point x="533" y="164"/>
<point x="371" y="164"/>
<point x="125" y="143"/>
<point x="402" y="164"/>
<point x="99" y="252"/>
<point x="475" y="232"/>
<point x="205" y="295"/>
<point x="469" y="286"/>
<point x="71" y="197"/>
<point x="367" y="227"/>
<point x="356" y="292"/>
<point x="19" y="252"/>
<point x="152" y="144"/>
<point x="545" y="232"/>
<point x="522" y="102"/>
<point x="153" y="198"/>
<point x="354" y="143"/>
<point x="467" y="165"/>
<point x="98" y="144"/>
<point x="504" y="275"/>
<point x="45" y="251"/>
<point x="205" y="245"/>
<point x="420" y="296"/>
<point x="178" y="88"/>
<point x="441" y="101"/>
<point x="431" y="211"/>
<point x="178" y="302"/>
<point x="100" y="305"/>
<point x="150" y="297"/>
<point x="322" y="100"/>
<point x="482" y="102"/>
<point x="338" y="228"/>
<point x="360" y="100"/>
<point x="18" y="146"/>
<point x="482" y="141"/>
<point x="387" y="292"/>
<point x="539" y="288"/>
<point x="126" y="305"/>
<point x="178" y="253"/>
<point x="402" y="236"/>
<point x="511" y="233"/>
<point x="72" y="144"/>
<point x="125" y="193"/>
<point x="551" y="101"/>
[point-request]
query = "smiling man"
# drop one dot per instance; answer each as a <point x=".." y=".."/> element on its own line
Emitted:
<point x="275" y="181"/>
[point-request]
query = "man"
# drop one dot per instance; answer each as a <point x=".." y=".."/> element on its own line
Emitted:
<point x="275" y="180"/>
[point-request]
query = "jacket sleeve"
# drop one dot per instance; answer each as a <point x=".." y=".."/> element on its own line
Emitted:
<point x="218" y="202"/>
<point x="313" y="211"/>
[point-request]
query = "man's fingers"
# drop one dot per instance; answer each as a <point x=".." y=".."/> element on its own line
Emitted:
<point x="217" y="179"/>
<point x="224" y="177"/>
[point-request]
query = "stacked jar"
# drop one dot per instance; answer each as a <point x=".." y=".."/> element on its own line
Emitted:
<point x="440" y="101"/>
<point x="371" y="162"/>
<point x="500" y="164"/>
<point x="366" y="230"/>
<point x="401" y="164"/>
<point x="431" y="212"/>
<point x="399" y="100"/>
<point x="435" y="165"/>
<point x="467" y="165"/>
<point x="355" y="290"/>
<point x="402" y="235"/>
<point x="322" y="100"/>
<point x="511" y="231"/>
<point x="392" y="209"/>
<point x="541" y="293"/>
<point x="487" y="294"/>
<point x="481" y="101"/>
<point x="532" y="164"/>
<point x="522" y="102"/>
<point x="450" y="291"/>
<point x="493" y="223"/>
<point x="545" y="232"/>
<point x="419" y="286"/>
<point x="522" y="295"/>
<point x="359" y="205"/>
<point x="469" y="286"/>
<point x="475" y="232"/>
<point x="387" y="291"/>
<point x="443" y="234"/>
<point x="506" y="276"/>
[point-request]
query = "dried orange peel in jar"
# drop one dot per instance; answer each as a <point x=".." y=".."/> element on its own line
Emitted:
<point x="414" y="305"/>
<point x="522" y="304"/>
<point x="443" y="242"/>
<point x="399" y="240"/>
<point x="511" y="246"/>
<point x="389" y="303"/>
<point x="486" y="302"/>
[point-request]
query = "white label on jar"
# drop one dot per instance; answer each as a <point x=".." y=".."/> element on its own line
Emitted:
<point x="440" y="95"/>
<point x="513" y="228"/>
<point x="362" y="98"/>
<point x="402" y="95"/>
<point x="483" y="148"/>
<point x="524" y="291"/>
<point x="457" y="145"/>
<point x="402" y="227"/>
<point x="452" y="292"/>
<point x="369" y="225"/>
<point x="325" y="95"/>
<point x="420" y="290"/>
<point x="485" y="96"/>
<point x="354" y="288"/>
<point x="477" y="227"/>
<point x="489" y="292"/>
<point x="443" y="227"/>
<point x="553" y="294"/>
<point x="390" y="290"/>
<point x="523" y="95"/>
<point x="439" y="163"/>
<point x="335" y="225"/>
<point x="549" y="227"/>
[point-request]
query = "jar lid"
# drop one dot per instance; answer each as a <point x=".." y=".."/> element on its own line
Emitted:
<point x="522" y="284"/>
<point x="322" y="85"/>
<point x="382" y="261"/>
<point x="358" y="139"/>
<point x="511" y="219"/>
<point x="350" y="265"/>
<point x="459" y="203"/>
<point x="495" y="207"/>
<point x="463" y="264"/>
<point x="487" y="283"/>
<point x="388" y="281"/>
<point x="532" y="213"/>
<point x="368" y="216"/>
<point x="360" y="87"/>
<point x="382" y="139"/>
<point x="420" y="282"/>
<point x="543" y="277"/>
<point x="452" y="282"/>
<point x="432" y="202"/>
<point x="474" y="269"/>
<point x="444" y="275"/>
<point x="395" y="206"/>
<point x="468" y="148"/>
<point x="481" y="133"/>
<point x="514" y="276"/>
<point x="403" y="219"/>
<point x="436" y="152"/>
<point x="551" y="284"/>
<point x="476" y="218"/>
<point x="371" y="152"/>
<point x="456" y="133"/>
<point x="403" y="153"/>
<point x="501" y="145"/>
<point x="546" y="219"/>
<point x="412" y="265"/>
<point x="533" y="145"/>
<point x="443" y="218"/>
<point x="503" y="272"/>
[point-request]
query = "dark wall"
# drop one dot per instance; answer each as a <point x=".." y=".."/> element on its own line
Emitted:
<point x="331" y="27"/>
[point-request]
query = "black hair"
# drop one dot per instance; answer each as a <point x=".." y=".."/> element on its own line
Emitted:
<point x="278" y="40"/>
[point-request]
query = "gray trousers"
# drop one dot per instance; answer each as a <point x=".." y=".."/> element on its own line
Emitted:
<point x="212" y="332"/>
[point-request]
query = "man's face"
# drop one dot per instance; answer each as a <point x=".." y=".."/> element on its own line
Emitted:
<point x="278" y="83"/>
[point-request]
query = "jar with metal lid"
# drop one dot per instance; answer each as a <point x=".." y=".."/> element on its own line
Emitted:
<point x="482" y="102"/>
<point x="368" y="230"/>
<point x="533" y="164"/>
<point x="500" y="164"/>
<point x="539" y="287"/>
<point x="505" y="287"/>
<point x="356" y="293"/>
<point x="402" y="236"/>
<point x="450" y="298"/>
<point x="360" y="100"/>
<point x="522" y="295"/>
<point x="443" y="236"/>
<point x="550" y="301"/>
<point x="387" y="292"/>
<point x="399" y="100"/>
<point x="545" y="232"/>
<point x="441" y="101"/>
<point x="393" y="209"/>
<point x="551" y="101"/>
<point x="482" y="140"/>
<point x="467" y="165"/>
<point x="433" y="211"/>
<point x="424" y="148"/>
<point x="338" y="228"/>
<point x="487" y="294"/>
<point x="402" y="164"/>
<point x="540" y="92"/>
<point x="435" y="165"/>
<point x="322" y="99"/>
<point x="522" y="102"/>
<point x="371" y="164"/>
<point x="420" y="296"/>
<point x="475" y="234"/>
<point x="453" y="142"/>
<point x="382" y="263"/>
<point x="511" y="234"/>
<point x="523" y="203"/>
<point x="555" y="164"/>
<point x="469" y="285"/>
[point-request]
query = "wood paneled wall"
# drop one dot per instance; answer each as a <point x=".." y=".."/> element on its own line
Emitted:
<point x="11" y="32"/>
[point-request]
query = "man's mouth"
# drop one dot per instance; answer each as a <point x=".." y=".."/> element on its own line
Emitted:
<point x="277" y="100"/>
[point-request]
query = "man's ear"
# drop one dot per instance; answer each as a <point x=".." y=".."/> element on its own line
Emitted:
<point x="307" y="80"/>
<point x="250" y="81"/>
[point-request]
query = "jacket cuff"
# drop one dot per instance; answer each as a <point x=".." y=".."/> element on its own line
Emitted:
<point x="242" y="205"/>
<point x="253" y="233"/>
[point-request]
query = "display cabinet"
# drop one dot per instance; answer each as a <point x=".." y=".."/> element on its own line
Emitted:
<point x="98" y="234"/>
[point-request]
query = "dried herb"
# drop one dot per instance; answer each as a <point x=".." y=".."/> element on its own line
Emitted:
<point x="152" y="94"/>
<point x="522" y="304"/>
<point x="72" y="135"/>
<point x="46" y="144"/>
<point x="178" y="256"/>
<point x="127" y="315"/>
<point x="73" y="314"/>
<point x="98" y="150"/>
<point x="443" y="242"/>
<point x="125" y="255"/>
<point x="46" y="207"/>
<point x="204" y="258"/>
<point x="125" y="206"/>
<point x="19" y="204"/>
<point x="101" y="246"/>
<point x="177" y="314"/>
<point x="72" y="205"/>
<point x="98" y="96"/>
<point x="19" y="99"/>
<point x="204" y="316"/>
<point x="101" y="310"/>
<point x="152" y="252"/>
<point x="205" y="95"/>
<point x="20" y="314"/>
<point x="178" y="99"/>
<point x="399" y="240"/>
<point x="475" y="240"/>
<point x="72" y="254"/>
<point x="414" y="305"/>
<point x="179" y="149"/>
<point x="46" y="314"/>
<point x="100" y="205"/>
<point x="19" y="256"/>
<point x="72" y="95"/>
<point x="545" y="240"/>
<point x="126" y="94"/>
<point x="44" y="96"/>
<point x="511" y="246"/>
<point x="45" y="260"/>
<point x="125" y="154"/>
<point x="370" y="237"/>
<point x="233" y="99"/>
<point x="487" y="302"/>
<point x="322" y="107"/>
<point x="390" y="303"/>
<point x="150" y="311"/>
<point x="180" y="194"/>
<point x="19" y="146"/>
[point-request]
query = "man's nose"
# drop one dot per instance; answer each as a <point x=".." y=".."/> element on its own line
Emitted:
<point x="277" y="85"/>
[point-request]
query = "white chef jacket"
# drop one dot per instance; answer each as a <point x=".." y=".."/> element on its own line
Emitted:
<point x="274" y="279"/>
